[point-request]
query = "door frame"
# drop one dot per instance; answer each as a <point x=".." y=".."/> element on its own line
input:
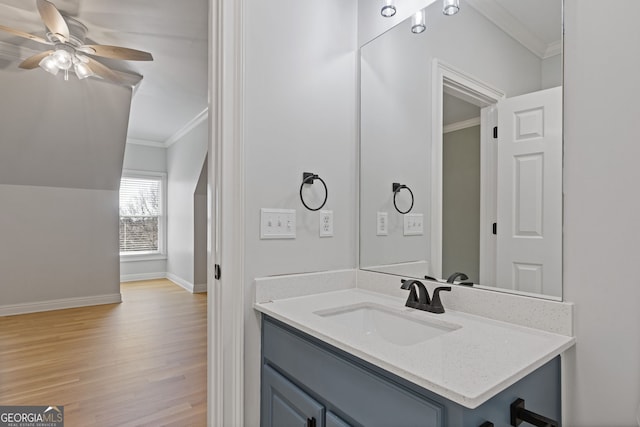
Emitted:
<point x="225" y="244"/>
<point x="449" y="79"/>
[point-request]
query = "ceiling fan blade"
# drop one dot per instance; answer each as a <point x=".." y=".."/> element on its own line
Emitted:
<point x="25" y="35"/>
<point x="104" y="72"/>
<point x="53" y="19"/>
<point x="116" y="52"/>
<point x="33" y="61"/>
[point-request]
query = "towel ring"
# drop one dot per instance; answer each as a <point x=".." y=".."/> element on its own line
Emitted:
<point x="309" y="178"/>
<point x="396" y="189"/>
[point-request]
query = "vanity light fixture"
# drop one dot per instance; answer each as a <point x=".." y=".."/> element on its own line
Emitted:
<point x="418" y="22"/>
<point x="389" y="9"/>
<point x="450" y="7"/>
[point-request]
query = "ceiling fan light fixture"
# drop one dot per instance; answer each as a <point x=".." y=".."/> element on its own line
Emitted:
<point x="82" y="70"/>
<point x="49" y="64"/>
<point x="64" y="60"/>
<point x="450" y="7"/>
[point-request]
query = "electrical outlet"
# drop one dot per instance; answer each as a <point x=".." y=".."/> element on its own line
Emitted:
<point x="277" y="223"/>
<point x="382" y="224"/>
<point x="326" y="223"/>
<point x="413" y="224"/>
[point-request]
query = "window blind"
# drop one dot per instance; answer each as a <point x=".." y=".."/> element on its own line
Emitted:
<point x="140" y="214"/>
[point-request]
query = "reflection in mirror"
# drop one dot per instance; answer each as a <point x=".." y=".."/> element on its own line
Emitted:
<point x="468" y="115"/>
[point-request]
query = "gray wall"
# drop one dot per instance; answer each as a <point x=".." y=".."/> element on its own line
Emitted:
<point x="396" y="113"/>
<point x="57" y="243"/>
<point x="150" y="159"/>
<point x="200" y="220"/>
<point x="145" y="158"/>
<point x="602" y="207"/>
<point x="551" y="72"/>
<point x="300" y="115"/>
<point x="61" y="150"/>
<point x="184" y="164"/>
<point x="461" y="203"/>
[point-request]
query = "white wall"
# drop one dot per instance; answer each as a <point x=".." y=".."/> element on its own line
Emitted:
<point x="602" y="208"/>
<point x="184" y="164"/>
<point x="150" y="159"/>
<point x="61" y="150"/>
<point x="300" y="115"/>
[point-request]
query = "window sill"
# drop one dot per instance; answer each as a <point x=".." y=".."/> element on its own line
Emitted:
<point x="142" y="257"/>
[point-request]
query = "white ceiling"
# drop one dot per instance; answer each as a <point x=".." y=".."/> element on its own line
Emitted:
<point x="174" y="88"/>
<point x="536" y="24"/>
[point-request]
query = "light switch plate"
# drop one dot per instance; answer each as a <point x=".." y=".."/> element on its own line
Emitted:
<point x="277" y="223"/>
<point x="326" y="223"/>
<point x="413" y="224"/>
<point x="382" y="224"/>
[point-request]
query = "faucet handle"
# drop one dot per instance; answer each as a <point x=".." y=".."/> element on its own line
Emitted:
<point x="456" y="275"/>
<point x="436" y="304"/>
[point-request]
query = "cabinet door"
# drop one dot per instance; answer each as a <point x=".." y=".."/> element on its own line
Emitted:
<point x="286" y="405"/>
<point x="335" y="421"/>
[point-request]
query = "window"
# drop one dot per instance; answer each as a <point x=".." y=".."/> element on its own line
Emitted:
<point x="141" y="213"/>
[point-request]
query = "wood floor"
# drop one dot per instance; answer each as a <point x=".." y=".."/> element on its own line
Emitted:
<point x="141" y="362"/>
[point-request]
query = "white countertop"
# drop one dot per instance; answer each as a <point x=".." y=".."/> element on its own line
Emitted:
<point x="468" y="365"/>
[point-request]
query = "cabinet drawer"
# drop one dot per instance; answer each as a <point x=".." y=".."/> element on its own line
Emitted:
<point x="346" y="388"/>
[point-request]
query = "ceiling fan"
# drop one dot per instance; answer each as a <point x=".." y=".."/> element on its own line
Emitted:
<point x="69" y="51"/>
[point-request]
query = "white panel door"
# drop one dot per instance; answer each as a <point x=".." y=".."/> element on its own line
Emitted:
<point x="529" y="254"/>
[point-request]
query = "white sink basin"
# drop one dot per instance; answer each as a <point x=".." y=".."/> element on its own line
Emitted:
<point x="394" y="326"/>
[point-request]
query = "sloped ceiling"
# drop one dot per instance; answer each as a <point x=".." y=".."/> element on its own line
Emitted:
<point x="61" y="134"/>
<point x="536" y="24"/>
<point x="174" y="88"/>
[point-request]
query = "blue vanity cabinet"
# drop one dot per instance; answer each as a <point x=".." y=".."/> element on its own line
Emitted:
<point x="306" y="381"/>
<point x="335" y="421"/>
<point x="284" y="404"/>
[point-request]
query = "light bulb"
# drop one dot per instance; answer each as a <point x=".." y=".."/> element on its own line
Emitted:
<point x="450" y="7"/>
<point x="418" y="22"/>
<point x="389" y="9"/>
<point x="63" y="59"/>
<point x="82" y="70"/>
<point x="49" y="64"/>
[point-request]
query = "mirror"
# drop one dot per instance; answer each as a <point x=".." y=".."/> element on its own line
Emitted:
<point x="461" y="147"/>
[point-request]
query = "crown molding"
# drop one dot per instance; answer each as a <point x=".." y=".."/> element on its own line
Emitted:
<point x="202" y="116"/>
<point x="514" y="28"/>
<point x="146" y="143"/>
<point x="553" y="49"/>
<point x="461" y="125"/>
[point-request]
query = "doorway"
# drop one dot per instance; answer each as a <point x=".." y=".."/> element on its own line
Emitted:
<point x="470" y="96"/>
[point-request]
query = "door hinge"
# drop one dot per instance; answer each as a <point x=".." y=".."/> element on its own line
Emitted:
<point x="218" y="272"/>
<point x="495" y="132"/>
<point x="495" y="228"/>
<point x="311" y="422"/>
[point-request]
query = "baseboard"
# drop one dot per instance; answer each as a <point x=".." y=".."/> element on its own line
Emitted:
<point x="142" y="276"/>
<point x="58" y="304"/>
<point x="200" y="288"/>
<point x="185" y="284"/>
